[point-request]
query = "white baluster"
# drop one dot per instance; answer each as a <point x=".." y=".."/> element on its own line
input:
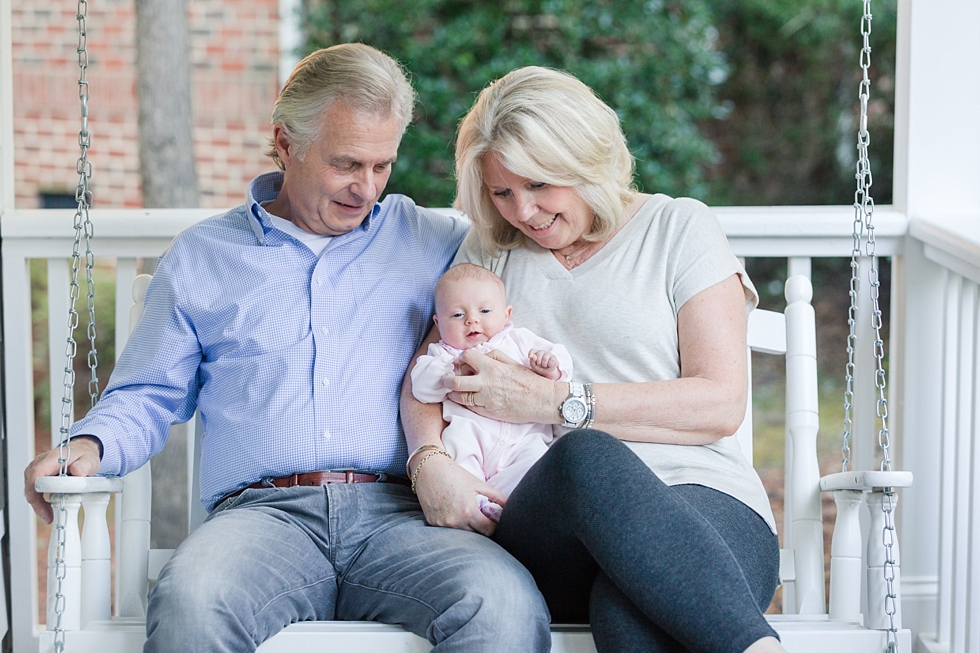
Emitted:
<point x="96" y="559"/>
<point x="71" y="585"/>
<point x="845" y="558"/>
<point x="134" y="544"/>
<point x="134" y="549"/>
<point x="802" y="424"/>
<point x="877" y="588"/>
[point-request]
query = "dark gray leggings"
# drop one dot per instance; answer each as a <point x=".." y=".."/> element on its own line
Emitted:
<point x="652" y="567"/>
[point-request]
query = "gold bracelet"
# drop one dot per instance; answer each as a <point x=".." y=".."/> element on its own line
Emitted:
<point x="415" y="476"/>
<point x="408" y="463"/>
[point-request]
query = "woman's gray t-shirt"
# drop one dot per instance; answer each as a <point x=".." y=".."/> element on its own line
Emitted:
<point x="617" y="315"/>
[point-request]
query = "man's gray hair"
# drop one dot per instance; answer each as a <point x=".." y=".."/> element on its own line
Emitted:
<point x="364" y="78"/>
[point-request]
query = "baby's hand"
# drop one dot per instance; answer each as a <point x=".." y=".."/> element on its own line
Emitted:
<point x="489" y="508"/>
<point x="544" y="363"/>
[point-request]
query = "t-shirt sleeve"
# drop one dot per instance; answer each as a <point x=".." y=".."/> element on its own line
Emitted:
<point x="701" y="254"/>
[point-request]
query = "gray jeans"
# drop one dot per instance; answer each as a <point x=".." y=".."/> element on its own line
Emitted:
<point x="271" y="557"/>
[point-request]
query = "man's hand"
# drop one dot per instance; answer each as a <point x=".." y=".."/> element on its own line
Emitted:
<point x="544" y="363"/>
<point x="84" y="460"/>
<point x="448" y="494"/>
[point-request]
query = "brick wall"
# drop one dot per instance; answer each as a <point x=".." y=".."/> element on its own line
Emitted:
<point x="235" y="54"/>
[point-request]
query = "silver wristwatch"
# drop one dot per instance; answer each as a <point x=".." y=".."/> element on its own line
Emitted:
<point x="574" y="409"/>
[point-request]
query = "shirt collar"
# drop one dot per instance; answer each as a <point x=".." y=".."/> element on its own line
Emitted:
<point x="265" y="188"/>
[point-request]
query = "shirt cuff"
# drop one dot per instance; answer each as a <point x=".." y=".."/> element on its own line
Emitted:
<point x="109" y="452"/>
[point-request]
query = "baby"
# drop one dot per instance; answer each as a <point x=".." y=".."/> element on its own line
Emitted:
<point x="472" y="313"/>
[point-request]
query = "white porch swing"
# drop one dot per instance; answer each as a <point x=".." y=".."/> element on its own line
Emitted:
<point x="79" y="617"/>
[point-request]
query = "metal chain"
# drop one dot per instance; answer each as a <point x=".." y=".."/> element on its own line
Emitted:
<point x="852" y="320"/>
<point x="83" y="226"/>
<point x="864" y="211"/>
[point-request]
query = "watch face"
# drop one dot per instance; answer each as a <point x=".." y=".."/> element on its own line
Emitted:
<point x="573" y="410"/>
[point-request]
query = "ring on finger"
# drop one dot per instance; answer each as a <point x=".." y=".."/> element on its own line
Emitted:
<point x="469" y="399"/>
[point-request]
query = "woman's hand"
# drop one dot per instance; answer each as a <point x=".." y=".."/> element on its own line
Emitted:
<point x="447" y="493"/>
<point x="505" y="390"/>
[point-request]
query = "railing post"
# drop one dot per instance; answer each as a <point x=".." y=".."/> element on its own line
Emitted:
<point x="134" y="547"/>
<point x="96" y="560"/>
<point x="802" y="424"/>
<point x="845" y="558"/>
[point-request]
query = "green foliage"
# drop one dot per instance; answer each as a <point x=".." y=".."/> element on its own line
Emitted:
<point x="654" y="62"/>
<point x="792" y="101"/>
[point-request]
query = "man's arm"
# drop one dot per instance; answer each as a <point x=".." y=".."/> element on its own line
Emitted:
<point x="153" y="385"/>
<point x="446" y="491"/>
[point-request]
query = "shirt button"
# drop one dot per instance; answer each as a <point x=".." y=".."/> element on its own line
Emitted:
<point x="324" y="330"/>
<point x="326" y="382"/>
<point x="326" y="435"/>
<point x="319" y="281"/>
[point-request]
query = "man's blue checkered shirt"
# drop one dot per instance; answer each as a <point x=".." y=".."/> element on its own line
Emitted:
<point x="294" y="361"/>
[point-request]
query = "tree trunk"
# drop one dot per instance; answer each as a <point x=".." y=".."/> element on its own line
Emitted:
<point x="166" y="119"/>
<point x="169" y="178"/>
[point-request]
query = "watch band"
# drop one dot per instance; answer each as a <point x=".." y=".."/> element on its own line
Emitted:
<point x="590" y="406"/>
<point x="574" y="410"/>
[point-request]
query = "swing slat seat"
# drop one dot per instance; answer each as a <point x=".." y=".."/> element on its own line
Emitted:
<point x="849" y="627"/>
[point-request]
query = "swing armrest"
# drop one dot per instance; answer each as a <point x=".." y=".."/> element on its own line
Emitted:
<point x="77" y="484"/>
<point x="865" y="480"/>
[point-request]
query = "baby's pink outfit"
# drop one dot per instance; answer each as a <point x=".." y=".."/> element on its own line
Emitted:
<point x="499" y="453"/>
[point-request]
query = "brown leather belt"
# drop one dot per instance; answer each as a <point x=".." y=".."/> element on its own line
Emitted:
<point x="312" y="479"/>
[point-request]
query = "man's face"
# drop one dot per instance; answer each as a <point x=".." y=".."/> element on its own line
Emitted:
<point x="337" y="182"/>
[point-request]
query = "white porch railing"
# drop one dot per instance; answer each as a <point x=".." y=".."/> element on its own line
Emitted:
<point x="941" y="397"/>
<point x="933" y="382"/>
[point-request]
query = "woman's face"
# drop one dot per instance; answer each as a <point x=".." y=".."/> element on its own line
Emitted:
<point x="552" y="216"/>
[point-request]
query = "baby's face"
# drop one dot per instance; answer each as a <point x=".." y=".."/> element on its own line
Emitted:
<point x="471" y="311"/>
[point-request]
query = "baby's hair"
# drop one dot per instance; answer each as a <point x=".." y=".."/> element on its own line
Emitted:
<point x="465" y="271"/>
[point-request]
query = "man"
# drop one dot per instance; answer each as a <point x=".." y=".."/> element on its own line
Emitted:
<point x="289" y="322"/>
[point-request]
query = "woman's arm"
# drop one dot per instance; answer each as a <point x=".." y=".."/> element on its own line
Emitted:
<point x="705" y="404"/>
<point x="446" y="491"/>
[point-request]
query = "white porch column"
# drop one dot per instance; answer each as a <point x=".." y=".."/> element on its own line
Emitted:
<point x="937" y="177"/>
<point x="290" y="37"/>
<point x="22" y="619"/>
<point x="6" y="111"/>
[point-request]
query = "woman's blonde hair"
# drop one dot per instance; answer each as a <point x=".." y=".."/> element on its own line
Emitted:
<point x="548" y="126"/>
<point x="366" y="79"/>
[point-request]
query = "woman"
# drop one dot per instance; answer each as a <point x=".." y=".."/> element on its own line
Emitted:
<point x="650" y="524"/>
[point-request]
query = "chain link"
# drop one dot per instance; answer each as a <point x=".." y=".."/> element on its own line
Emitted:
<point x="83" y="228"/>
<point x="863" y="214"/>
<point x="852" y="320"/>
